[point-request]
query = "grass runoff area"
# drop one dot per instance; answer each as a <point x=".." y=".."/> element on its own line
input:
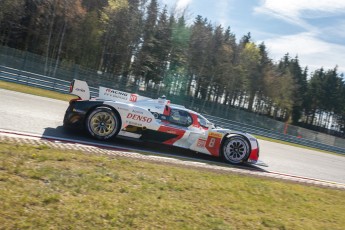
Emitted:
<point x="45" y="188"/>
<point x="35" y="91"/>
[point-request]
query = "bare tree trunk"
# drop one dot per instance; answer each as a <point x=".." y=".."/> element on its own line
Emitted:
<point x="49" y="39"/>
<point x="60" y="47"/>
<point x="189" y="85"/>
<point x="313" y="117"/>
<point x="207" y="93"/>
<point x="106" y="39"/>
<point x="320" y="119"/>
<point x="251" y="101"/>
<point x="196" y="93"/>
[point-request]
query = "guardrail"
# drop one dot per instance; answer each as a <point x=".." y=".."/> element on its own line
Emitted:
<point x="38" y="80"/>
<point x="225" y="123"/>
<point x="62" y="86"/>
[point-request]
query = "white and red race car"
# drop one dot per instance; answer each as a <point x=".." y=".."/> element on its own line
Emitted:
<point x="117" y="113"/>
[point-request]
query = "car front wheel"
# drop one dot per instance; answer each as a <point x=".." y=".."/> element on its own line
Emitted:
<point x="235" y="149"/>
<point x="102" y="123"/>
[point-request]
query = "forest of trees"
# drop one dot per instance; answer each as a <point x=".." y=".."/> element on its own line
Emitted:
<point x="143" y="40"/>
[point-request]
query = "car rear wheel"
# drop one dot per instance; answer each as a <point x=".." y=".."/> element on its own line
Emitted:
<point x="235" y="149"/>
<point x="102" y="123"/>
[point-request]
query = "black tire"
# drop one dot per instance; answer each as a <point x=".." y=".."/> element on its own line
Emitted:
<point x="103" y="124"/>
<point x="235" y="149"/>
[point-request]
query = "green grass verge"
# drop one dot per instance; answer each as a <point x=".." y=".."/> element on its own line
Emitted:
<point x="45" y="188"/>
<point x="67" y="97"/>
<point x="35" y="91"/>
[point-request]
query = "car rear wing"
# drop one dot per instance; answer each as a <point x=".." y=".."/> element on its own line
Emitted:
<point x="80" y="89"/>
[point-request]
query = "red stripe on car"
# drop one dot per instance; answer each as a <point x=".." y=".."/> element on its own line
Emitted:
<point x="171" y="130"/>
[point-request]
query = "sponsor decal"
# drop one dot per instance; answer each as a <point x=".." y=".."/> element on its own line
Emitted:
<point x="213" y="144"/>
<point x="116" y="94"/>
<point x="139" y="118"/>
<point x="134" y="123"/>
<point x="201" y="143"/>
<point x="120" y="93"/>
<point x="136" y="111"/>
<point x="133" y="98"/>
<point x="81" y="90"/>
<point x="120" y="108"/>
<point x="216" y="135"/>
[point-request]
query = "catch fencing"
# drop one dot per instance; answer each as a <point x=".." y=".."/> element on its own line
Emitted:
<point x="37" y="71"/>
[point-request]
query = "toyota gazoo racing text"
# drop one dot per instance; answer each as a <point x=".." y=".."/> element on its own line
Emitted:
<point x="118" y="113"/>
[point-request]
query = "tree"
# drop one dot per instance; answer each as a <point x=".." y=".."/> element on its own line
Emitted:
<point x="11" y="14"/>
<point x="250" y="60"/>
<point x="221" y="69"/>
<point x="199" y="56"/>
<point x="300" y="80"/>
<point x="281" y="93"/>
<point x="340" y="109"/>
<point x="94" y="5"/>
<point x="265" y="69"/>
<point x="145" y="61"/>
<point x="47" y="25"/>
<point x="175" y="79"/>
<point x="112" y="40"/>
<point x="84" y="46"/>
<point x="228" y="78"/>
<point x="162" y="47"/>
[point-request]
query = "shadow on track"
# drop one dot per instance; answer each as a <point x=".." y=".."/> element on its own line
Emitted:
<point x="141" y="146"/>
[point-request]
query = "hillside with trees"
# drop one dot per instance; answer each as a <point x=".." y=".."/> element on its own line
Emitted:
<point x="142" y="40"/>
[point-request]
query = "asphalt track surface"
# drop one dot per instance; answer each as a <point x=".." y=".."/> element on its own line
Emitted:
<point x="21" y="112"/>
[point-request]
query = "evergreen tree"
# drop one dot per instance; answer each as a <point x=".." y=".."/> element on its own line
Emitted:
<point x="300" y="80"/>
<point x="229" y="79"/>
<point x="113" y="40"/>
<point x="162" y="47"/>
<point x="250" y="60"/>
<point x="198" y="56"/>
<point x="145" y="61"/>
<point x="12" y="15"/>
<point x="265" y="69"/>
<point x="299" y="77"/>
<point x="85" y="49"/>
<point x="314" y="94"/>
<point x="175" y="80"/>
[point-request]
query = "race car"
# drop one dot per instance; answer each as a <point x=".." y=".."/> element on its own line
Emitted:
<point x="117" y="113"/>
